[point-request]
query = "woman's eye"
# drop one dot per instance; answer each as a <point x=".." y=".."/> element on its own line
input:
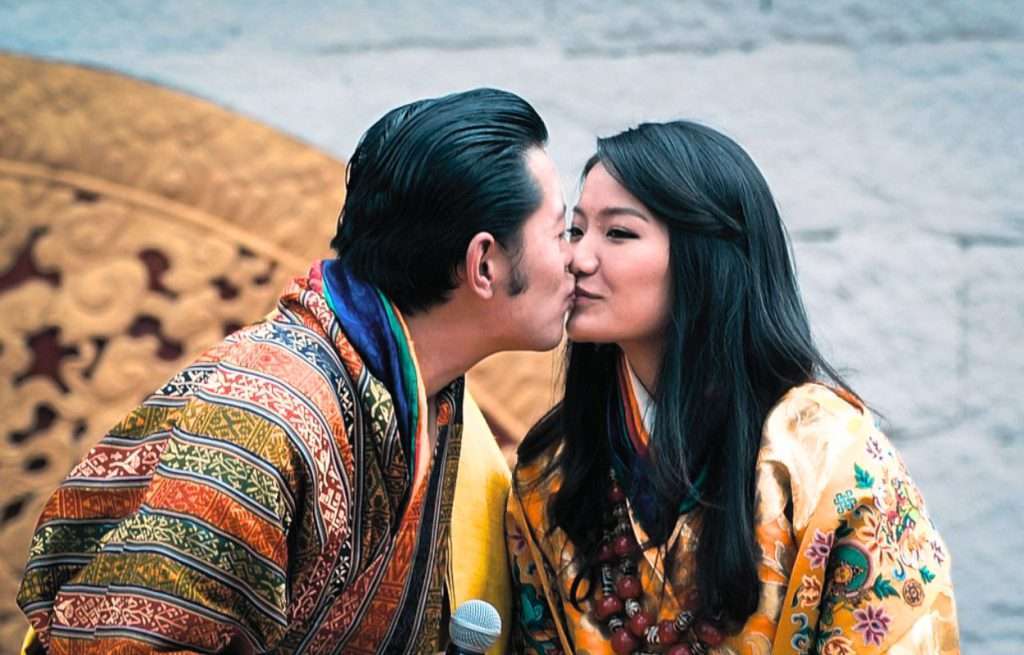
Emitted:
<point x="573" y="233"/>
<point x="617" y="233"/>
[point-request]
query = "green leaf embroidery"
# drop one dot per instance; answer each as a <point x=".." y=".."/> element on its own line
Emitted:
<point x="927" y="575"/>
<point x="843" y="530"/>
<point x="883" y="588"/>
<point x="864" y="479"/>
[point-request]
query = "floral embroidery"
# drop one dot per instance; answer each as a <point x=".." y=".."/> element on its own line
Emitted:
<point x="820" y="549"/>
<point x="850" y="571"/>
<point x="516" y="539"/>
<point x="874" y="533"/>
<point x="872" y="623"/>
<point x="884" y="499"/>
<point x="808" y="594"/>
<point x="913" y="593"/>
<point x="874" y="449"/>
<point x="877" y="552"/>
<point x="912" y="549"/>
<point x="838" y="645"/>
<point x="534" y="619"/>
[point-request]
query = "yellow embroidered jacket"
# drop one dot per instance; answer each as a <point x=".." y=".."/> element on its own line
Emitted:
<point x="851" y="561"/>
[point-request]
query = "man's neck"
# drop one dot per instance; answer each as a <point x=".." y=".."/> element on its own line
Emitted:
<point x="447" y="345"/>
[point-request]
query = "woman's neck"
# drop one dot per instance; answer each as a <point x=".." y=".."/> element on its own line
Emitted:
<point x="645" y="359"/>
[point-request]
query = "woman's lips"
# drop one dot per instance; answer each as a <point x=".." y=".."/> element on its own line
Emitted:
<point x="583" y="294"/>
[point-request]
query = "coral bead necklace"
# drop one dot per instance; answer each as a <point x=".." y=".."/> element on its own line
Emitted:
<point x="633" y="629"/>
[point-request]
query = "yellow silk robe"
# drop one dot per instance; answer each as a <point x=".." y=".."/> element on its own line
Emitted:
<point x="851" y="562"/>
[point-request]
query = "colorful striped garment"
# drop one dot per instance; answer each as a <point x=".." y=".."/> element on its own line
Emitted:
<point x="277" y="494"/>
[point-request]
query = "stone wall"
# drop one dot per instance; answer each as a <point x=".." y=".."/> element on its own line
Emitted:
<point x="891" y="134"/>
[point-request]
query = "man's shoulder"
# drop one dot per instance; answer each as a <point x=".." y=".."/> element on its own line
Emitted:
<point x="277" y="371"/>
<point x="279" y="348"/>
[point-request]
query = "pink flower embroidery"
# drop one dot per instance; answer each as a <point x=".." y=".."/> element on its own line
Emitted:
<point x="838" y="645"/>
<point x="873" y="623"/>
<point x="820" y="549"/>
<point x="875" y="534"/>
<point x="809" y="592"/>
<point x="874" y="449"/>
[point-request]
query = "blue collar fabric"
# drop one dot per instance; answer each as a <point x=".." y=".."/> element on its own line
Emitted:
<point x="370" y="325"/>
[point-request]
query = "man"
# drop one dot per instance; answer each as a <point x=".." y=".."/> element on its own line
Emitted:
<point x="292" y="490"/>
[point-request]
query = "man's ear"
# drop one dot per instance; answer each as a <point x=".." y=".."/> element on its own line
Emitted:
<point x="482" y="265"/>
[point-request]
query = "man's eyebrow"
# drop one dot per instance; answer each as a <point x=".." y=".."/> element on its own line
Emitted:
<point x="614" y="211"/>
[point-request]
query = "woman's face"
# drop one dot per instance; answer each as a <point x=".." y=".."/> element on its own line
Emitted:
<point x="621" y="264"/>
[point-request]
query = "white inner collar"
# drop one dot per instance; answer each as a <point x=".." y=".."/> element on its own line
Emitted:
<point x="643" y="399"/>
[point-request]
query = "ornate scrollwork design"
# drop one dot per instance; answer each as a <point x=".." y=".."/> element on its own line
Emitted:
<point x="137" y="226"/>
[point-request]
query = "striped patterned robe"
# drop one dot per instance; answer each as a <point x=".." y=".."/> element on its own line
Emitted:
<point x="260" y="500"/>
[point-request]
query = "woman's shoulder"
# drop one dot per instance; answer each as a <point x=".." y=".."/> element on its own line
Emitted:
<point x="815" y="417"/>
<point x="808" y="441"/>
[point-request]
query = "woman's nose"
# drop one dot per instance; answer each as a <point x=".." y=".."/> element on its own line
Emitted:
<point x="584" y="259"/>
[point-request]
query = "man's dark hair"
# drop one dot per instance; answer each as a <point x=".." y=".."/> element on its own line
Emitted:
<point x="429" y="176"/>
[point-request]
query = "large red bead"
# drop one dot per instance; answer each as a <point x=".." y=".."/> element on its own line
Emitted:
<point x="608" y="606"/>
<point x="639" y="623"/>
<point x="628" y="586"/>
<point x="624" y="545"/>
<point x="667" y="633"/>
<point x="709" y="634"/>
<point x="623" y="642"/>
<point x="605" y="552"/>
<point x="679" y="649"/>
<point x="616" y="495"/>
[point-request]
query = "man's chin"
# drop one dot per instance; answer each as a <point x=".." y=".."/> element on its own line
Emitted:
<point x="550" y="342"/>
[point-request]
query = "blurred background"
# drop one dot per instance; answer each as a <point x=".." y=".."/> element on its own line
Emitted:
<point x="165" y="167"/>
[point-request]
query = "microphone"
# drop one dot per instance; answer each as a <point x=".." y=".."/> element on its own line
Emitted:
<point x="474" y="628"/>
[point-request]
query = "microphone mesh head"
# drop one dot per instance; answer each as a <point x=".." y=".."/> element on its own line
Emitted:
<point x="475" y="626"/>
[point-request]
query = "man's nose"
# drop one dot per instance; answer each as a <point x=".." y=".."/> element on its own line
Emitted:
<point x="567" y="256"/>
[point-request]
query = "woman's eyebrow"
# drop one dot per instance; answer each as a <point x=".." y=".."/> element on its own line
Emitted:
<point x="614" y="211"/>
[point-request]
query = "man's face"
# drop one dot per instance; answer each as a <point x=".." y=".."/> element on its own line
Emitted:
<point x="539" y="293"/>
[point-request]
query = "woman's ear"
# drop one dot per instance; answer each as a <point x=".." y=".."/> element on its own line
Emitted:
<point x="481" y="265"/>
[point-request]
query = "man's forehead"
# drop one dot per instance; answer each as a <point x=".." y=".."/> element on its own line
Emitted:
<point x="559" y="215"/>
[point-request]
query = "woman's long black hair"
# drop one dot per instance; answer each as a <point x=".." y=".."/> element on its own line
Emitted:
<point x="738" y="339"/>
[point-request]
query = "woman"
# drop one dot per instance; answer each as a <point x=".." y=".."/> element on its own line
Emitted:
<point x="708" y="482"/>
